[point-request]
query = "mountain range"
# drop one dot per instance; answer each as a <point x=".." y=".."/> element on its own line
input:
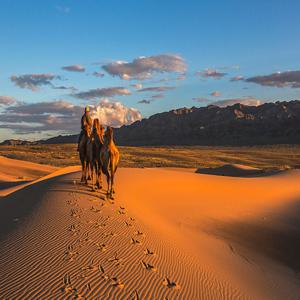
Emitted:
<point x="238" y="124"/>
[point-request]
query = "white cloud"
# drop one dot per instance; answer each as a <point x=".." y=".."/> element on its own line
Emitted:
<point x="115" y="114"/>
<point x="144" y="67"/>
<point x="62" y="116"/>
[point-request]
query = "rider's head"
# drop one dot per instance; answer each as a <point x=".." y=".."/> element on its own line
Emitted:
<point x="87" y="109"/>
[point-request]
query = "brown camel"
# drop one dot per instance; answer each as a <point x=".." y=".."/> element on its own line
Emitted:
<point x="109" y="156"/>
<point x="93" y="149"/>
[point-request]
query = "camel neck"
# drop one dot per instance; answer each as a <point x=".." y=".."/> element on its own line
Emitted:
<point x="110" y="142"/>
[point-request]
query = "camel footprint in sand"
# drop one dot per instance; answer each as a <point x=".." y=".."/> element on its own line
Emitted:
<point x="67" y="287"/>
<point x="116" y="260"/>
<point x="115" y="281"/>
<point x="148" y="252"/>
<point x="148" y="267"/>
<point x="101" y="247"/>
<point x="70" y="254"/>
<point x="170" y="284"/>
<point x="135" y="242"/>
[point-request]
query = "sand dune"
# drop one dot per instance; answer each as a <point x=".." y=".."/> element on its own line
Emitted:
<point x="14" y="170"/>
<point x="16" y="174"/>
<point x="235" y="170"/>
<point x="168" y="235"/>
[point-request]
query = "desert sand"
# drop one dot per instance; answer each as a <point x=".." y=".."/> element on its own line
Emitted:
<point x="168" y="234"/>
<point x="15" y="174"/>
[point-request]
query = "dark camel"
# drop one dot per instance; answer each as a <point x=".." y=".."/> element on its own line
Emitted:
<point x="83" y="155"/>
<point x="93" y="149"/>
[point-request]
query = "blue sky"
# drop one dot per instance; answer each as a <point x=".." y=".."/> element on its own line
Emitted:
<point x="229" y="38"/>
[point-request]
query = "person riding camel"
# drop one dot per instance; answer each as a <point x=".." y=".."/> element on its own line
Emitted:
<point x="86" y="125"/>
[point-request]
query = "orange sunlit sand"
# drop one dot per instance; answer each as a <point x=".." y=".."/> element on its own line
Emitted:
<point x="168" y="234"/>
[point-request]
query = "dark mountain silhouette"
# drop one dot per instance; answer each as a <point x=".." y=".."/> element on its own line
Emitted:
<point x="13" y="142"/>
<point x="61" y="139"/>
<point x="269" y="123"/>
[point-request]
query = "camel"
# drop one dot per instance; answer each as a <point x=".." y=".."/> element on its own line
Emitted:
<point x="93" y="149"/>
<point x="83" y="156"/>
<point x="109" y="156"/>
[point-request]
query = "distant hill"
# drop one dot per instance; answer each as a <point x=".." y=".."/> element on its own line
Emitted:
<point x="13" y="142"/>
<point x="61" y="139"/>
<point x="269" y="123"/>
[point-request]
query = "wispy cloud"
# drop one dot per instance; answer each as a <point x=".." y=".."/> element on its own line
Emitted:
<point x="98" y="74"/>
<point x="200" y="99"/>
<point x="33" y="81"/>
<point x="74" y="68"/>
<point x="7" y="100"/>
<point x="215" y="94"/>
<point x="237" y="78"/>
<point x="62" y="87"/>
<point x="158" y="96"/>
<point x="211" y="73"/>
<point x="280" y="80"/>
<point x="157" y="89"/>
<point x="137" y="86"/>
<point x="144" y="101"/>
<point x="102" y="92"/>
<point x="178" y="78"/>
<point x="250" y="101"/>
<point x="144" y="67"/>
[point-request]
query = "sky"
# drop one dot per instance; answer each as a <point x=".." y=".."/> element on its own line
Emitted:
<point x="130" y="59"/>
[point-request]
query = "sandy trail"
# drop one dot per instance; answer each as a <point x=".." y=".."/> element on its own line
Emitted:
<point x="167" y="235"/>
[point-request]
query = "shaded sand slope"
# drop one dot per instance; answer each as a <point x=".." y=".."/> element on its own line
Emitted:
<point x="14" y="170"/>
<point x="234" y="170"/>
<point x="168" y="235"/>
<point x="15" y="174"/>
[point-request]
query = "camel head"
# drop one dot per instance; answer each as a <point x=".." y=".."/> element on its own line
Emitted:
<point x="98" y="129"/>
<point x="96" y="126"/>
<point x="109" y="133"/>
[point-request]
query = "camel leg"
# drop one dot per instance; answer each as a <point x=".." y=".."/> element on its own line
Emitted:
<point x="108" y="183"/>
<point x="92" y="176"/>
<point x="85" y="172"/>
<point x="82" y="171"/>
<point x="89" y="171"/>
<point x="99" y="178"/>
<point x="96" y="174"/>
<point x="112" y="185"/>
